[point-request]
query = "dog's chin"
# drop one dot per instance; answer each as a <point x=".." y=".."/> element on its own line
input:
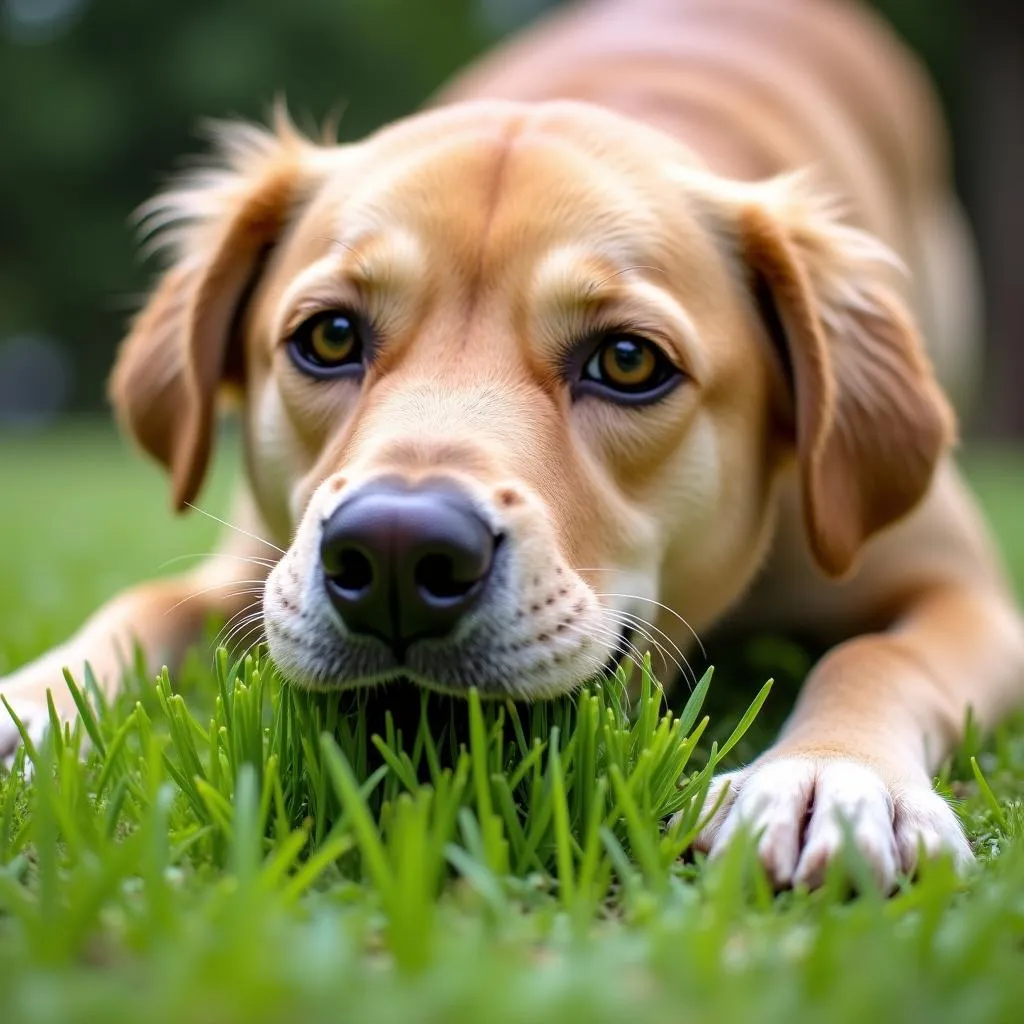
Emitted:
<point x="399" y="703"/>
<point x="448" y="670"/>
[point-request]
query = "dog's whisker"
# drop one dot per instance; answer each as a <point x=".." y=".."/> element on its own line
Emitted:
<point x="606" y="672"/>
<point x="237" y="529"/>
<point x="263" y="563"/>
<point x="666" y="608"/>
<point x="598" y="632"/>
<point x="639" y="619"/>
<point x="653" y="645"/>
<point x="242" y="629"/>
<point x="646" y="600"/>
<point x="224" y="636"/>
<point x="260" y="639"/>
<point x="253" y="618"/>
<point x="679" y="658"/>
<point x="616" y="642"/>
<point x="255" y="629"/>
<point x="249" y="612"/>
<point x="259" y="587"/>
<point x="599" y="667"/>
<point x="247" y="609"/>
<point x="666" y="656"/>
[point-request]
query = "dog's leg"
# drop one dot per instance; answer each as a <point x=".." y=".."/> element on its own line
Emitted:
<point x="162" y="618"/>
<point x="874" y="719"/>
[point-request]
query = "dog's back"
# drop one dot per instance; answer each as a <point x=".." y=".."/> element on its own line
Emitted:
<point x="761" y="87"/>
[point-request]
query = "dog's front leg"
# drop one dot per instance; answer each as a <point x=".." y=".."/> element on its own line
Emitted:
<point x="160" y="618"/>
<point x="874" y="719"/>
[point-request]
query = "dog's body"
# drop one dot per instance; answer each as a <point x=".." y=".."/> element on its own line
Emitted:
<point x="761" y="87"/>
<point x="585" y="354"/>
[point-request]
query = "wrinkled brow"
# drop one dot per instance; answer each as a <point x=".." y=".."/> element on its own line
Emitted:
<point x="380" y="273"/>
<point x="380" y="261"/>
<point x="569" y="277"/>
<point x="570" y="288"/>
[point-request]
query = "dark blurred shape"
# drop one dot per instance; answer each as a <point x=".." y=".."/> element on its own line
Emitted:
<point x="39" y="21"/>
<point x="103" y="98"/>
<point x="35" y="381"/>
<point x="993" y="136"/>
<point x="500" y="17"/>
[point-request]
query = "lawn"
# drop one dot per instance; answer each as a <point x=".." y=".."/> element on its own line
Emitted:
<point x="230" y="851"/>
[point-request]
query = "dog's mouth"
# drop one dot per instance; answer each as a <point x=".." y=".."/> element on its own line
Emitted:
<point x="403" y="699"/>
<point x="622" y="652"/>
<point x="399" y="680"/>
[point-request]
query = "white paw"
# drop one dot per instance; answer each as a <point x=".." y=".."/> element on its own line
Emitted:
<point x="34" y="716"/>
<point x="802" y="809"/>
<point x="26" y="691"/>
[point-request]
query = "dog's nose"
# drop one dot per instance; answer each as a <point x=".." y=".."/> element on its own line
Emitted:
<point x="403" y="563"/>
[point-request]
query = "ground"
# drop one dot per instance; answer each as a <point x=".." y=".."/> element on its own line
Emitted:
<point x="217" y="859"/>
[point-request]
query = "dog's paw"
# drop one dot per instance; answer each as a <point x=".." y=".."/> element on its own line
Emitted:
<point x="802" y="810"/>
<point x="34" y="717"/>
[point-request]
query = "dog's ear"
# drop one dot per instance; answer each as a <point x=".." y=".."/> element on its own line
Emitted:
<point x="219" y="224"/>
<point x="869" y="419"/>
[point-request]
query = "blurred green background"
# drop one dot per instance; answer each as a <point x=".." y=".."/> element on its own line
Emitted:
<point x="101" y="100"/>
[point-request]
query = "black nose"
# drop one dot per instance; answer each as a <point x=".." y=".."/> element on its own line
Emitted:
<point x="402" y="563"/>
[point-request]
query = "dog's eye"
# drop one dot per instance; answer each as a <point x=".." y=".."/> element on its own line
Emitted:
<point x="329" y="344"/>
<point x="629" y="366"/>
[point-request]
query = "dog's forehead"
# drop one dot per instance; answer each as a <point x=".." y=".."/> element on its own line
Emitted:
<point x="513" y="187"/>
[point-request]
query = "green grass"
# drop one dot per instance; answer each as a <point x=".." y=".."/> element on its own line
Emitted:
<point x="238" y="852"/>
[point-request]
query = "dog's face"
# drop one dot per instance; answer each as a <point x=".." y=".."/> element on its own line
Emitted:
<point x="514" y="376"/>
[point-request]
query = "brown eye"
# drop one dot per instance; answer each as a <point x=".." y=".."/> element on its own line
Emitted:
<point x="627" y="363"/>
<point x="332" y="340"/>
<point x="629" y="367"/>
<point x="328" y="344"/>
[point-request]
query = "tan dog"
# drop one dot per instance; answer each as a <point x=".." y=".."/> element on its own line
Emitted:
<point x="518" y="369"/>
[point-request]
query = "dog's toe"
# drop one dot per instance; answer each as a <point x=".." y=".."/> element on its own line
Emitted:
<point x="718" y="803"/>
<point x="805" y="811"/>
<point x="926" y="826"/>
<point x="851" y="803"/>
<point x="771" y="803"/>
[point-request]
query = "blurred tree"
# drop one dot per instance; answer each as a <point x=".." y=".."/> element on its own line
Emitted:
<point x="102" y="97"/>
<point x="993" y="134"/>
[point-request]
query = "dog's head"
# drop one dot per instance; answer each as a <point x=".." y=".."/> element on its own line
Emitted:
<point x="514" y="375"/>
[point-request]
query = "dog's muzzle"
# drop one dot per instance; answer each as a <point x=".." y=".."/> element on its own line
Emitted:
<point x="406" y="563"/>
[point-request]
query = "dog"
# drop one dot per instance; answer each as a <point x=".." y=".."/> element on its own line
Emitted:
<point x="620" y="337"/>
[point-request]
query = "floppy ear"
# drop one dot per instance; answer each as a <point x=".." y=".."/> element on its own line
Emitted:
<point x="219" y="225"/>
<point x="871" y="422"/>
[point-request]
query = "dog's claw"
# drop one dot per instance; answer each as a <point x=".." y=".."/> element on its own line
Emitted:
<point x="803" y="810"/>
